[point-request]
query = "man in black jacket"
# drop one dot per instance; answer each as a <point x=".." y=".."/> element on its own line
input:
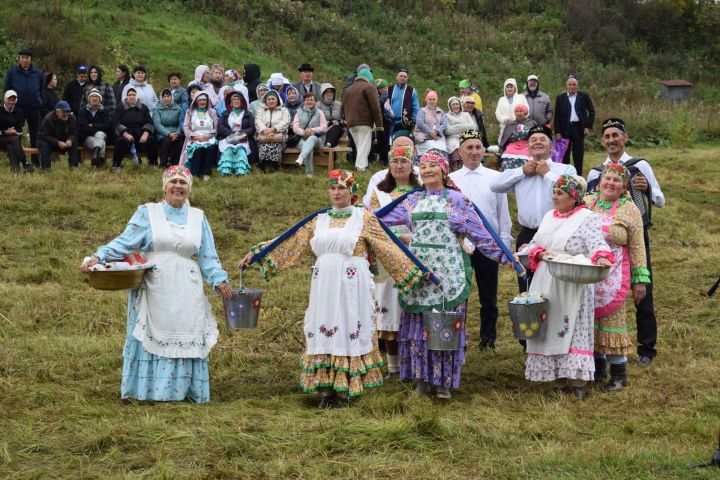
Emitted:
<point x="11" y="126"/>
<point x="94" y="127"/>
<point x="133" y="126"/>
<point x="75" y="89"/>
<point x="574" y="118"/>
<point x="58" y="133"/>
<point x="470" y="107"/>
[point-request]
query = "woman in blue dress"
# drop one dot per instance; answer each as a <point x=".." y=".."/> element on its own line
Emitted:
<point x="170" y="326"/>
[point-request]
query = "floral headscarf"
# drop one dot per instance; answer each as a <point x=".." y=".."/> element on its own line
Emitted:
<point x="345" y="178"/>
<point x="403" y="151"/>
<point x="177" y="171"/>
<point x="617" y="169"/>
<point x="573" y="185"/>
<point x="437" y="157"/>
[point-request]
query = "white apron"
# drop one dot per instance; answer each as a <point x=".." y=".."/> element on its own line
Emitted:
<point x="388" y="317"/>
<point x="174" y="317"/>
<point x="339" y="318"/>
<point x="564" y="298"/>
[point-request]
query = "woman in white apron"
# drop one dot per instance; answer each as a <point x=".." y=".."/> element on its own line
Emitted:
<point x="341" y="357"/>
<point x="565" y="353"/>
<point x="170" y="327"/>
<point x="438" y="215"/>
<point x="623" y="230"/>
<point x="400" y="180"/>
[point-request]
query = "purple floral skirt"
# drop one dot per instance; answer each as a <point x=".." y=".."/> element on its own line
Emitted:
<point x="418" y="363"/>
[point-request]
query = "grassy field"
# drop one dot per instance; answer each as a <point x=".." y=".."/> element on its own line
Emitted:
<point x="60" y="356"/>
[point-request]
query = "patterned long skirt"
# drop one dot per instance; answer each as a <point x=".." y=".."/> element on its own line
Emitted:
<point x="418" y="363"/>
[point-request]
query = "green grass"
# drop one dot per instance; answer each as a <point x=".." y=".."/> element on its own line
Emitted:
<point x="61" y="356"/>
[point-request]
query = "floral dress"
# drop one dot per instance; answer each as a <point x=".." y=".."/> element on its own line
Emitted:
<point x="146" y="376"/>
<point x="436" y="219"/>
<point x="623" y="230"/>
<point x="566" y="351"/>
<point x="341" y="346"/>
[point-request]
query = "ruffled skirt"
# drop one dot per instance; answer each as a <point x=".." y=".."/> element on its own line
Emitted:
<point x="234" y="161"/>
<point x="350" y="375"/>
<point x="150" y="377"/>
<point x="611" y="334"/>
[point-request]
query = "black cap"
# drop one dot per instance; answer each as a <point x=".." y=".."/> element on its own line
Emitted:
<point x="541" y="129"/>
<point x="25" y="51"/>
<point x="306" y="67"/>
<point x="402" y="69"/>
<point x="613" y="122"/>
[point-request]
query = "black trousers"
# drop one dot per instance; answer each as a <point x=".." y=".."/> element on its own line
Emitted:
<point x="381" y="147"/>
<point x="169" y="151"/>
<point x="203" y="160"/>
<point x="577" y="145"/>
<point x="486" y="276"/>
<point x="46" y="151"/>
<point x="525" y="235"/>
<point x="645" y="315"/>
<point x="122" y="148"/>
<point x="12" y="144"/>
<point x="33" y="118"/>
<point x="333" y="135"/>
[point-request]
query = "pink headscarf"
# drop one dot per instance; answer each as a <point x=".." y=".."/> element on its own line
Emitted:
<point x="437" y="157"/>
<point x="522" y="107"/>
<point x="431" y="93"/>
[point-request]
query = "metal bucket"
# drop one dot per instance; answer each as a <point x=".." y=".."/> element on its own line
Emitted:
<point x="442" y="329"/>
<point x="243" y="309"/>
<point x="528" y="319"/>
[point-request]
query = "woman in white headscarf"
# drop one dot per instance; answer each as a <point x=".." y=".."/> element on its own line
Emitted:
<point x="505" y="111"/>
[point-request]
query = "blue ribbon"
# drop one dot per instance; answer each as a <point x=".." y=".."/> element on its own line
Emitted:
<point x="269" y="248"/>
<point x="505" y="249"/>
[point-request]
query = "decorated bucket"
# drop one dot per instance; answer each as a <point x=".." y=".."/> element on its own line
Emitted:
<point x="528" y="319"/>
<point x="243" y="309"/>
<point x="442" y="329"/>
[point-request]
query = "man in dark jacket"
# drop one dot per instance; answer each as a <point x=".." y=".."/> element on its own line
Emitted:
<point x="58" y="133"/>
<point x="94" y="127"/>
<point x="133" y="128"/>
<point x="251" y="77"/>
<point x="27" y="81"/>
<point x="470" y="107"/>
<point x="75" y="89"/>
<point x="11" y="126"/>
<point x="574" y="118"/>
<point x="306" y="83"/>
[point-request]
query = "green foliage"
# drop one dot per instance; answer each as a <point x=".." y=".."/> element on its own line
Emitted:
<point x="683" y="129"/>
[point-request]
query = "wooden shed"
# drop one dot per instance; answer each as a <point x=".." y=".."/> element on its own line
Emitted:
<point x="676" y="91"/>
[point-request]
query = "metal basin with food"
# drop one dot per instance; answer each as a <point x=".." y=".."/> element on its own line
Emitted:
<point x="575" y="272"/>
<point x="117" y="279"/>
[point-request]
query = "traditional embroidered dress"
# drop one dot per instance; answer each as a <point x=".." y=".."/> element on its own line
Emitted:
<point x="170" y="327"/>
<point x="341" y="346"/>
<point x="388" y="317"/>
<point x="436" y="218"/>
<point x="623" y="230"/>
<point x="516" y="153"/>
<point x="566" y="351"/>
<point x="234" y="156"/>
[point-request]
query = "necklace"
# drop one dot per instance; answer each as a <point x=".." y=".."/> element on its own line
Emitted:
<point x="403" y="188"/>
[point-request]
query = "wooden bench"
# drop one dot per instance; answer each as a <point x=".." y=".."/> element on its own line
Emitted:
<point x="323" y="156"/>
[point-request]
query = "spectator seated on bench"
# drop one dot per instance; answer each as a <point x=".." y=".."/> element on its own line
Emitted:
<point x="309" y="124"/>
<point x="58" y="133"/>
<point x="134" y="128"/>
<point x="11" y="125"/>
<point x="94" y="126"/>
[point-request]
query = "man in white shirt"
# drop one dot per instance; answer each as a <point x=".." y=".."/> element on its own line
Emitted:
<point x="532" y="184"/>
<point x="379" y="176"/>
<point x="645" y="192"/>
<point x="474" y="179"/>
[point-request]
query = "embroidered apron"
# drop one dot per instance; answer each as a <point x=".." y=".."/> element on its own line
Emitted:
<point x="610" y="294"/>
<point x="339" y="318"/>
<point x="388" y="317"/>
<point x="564" y="298"/>
<point x="174" y="317"/>
<point x="436" y="245"/>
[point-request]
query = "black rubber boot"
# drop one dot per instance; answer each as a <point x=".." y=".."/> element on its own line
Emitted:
<point x="600" y="370"/>
<point x="618" y="377"/>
